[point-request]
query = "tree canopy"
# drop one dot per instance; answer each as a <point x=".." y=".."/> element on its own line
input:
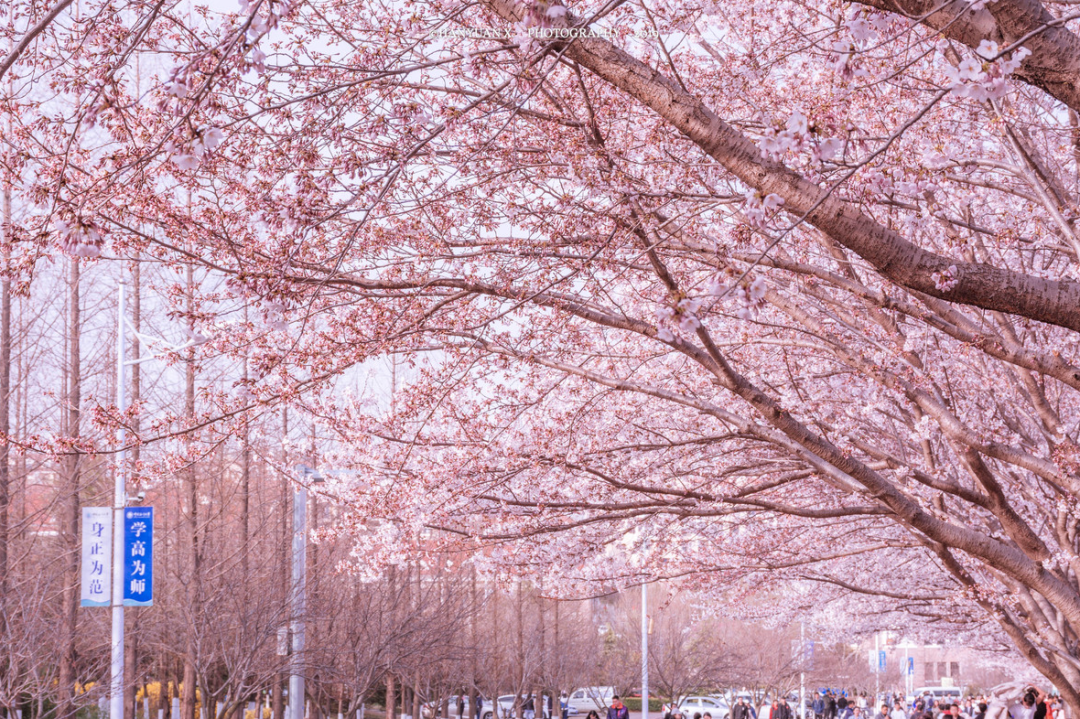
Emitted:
<point x="780" y="295"/>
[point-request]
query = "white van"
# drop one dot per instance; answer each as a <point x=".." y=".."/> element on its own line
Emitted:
<point x="942" y="695"/>
<point x="587" y="699"/>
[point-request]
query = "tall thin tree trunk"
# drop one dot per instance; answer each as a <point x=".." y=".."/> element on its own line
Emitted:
<point x="70" y="503"/>
<point x="22" y="413"/>
<point x="541" y="663"/>
<point x="245" y="483"/>
<point x="496" y="654"/>
<point x="556" y="670"/>
<point x="519" y="625"/>
<point x="5" y="400"/>
<point x="472" y="635"/>
<point x="283" y="559"/>
<point x="245" y="496"/>
<point x="187" y="710"/>
<point x="391" y="703"/>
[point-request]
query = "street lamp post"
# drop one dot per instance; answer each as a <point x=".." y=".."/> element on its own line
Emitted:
<point x="299" y="593"/>
<point x="116" y="664"/>
<point x="877" y="666"/>
<point x="116" y="667"/>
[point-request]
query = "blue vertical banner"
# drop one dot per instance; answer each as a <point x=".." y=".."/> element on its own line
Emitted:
<point x="881" y="661"/>
<point x="911" y="666"/>
<point x="138" y="556"/>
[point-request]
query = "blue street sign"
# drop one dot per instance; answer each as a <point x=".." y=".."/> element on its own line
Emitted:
<point x="138" y="556"/>
<point x="881" y="661"/>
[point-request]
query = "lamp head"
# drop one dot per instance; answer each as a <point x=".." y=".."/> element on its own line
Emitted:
<point x="311" y="475"/>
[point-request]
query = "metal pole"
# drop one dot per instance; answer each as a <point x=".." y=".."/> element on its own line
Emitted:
<point x="116" y="674"/>
<point x="802" y="674"/>
<point x="299" y="546"/>
<point x="645" y="651"/>
<point x="877" y="666"/>
<point x="907" y="673"/>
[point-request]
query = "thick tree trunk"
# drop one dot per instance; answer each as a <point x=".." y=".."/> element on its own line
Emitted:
<point x="891" y="254"/>
<point x="1054" y="64"/>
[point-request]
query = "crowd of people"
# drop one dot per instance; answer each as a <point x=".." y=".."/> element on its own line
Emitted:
<point x="828" y="704"/>
<point x="1034" y="704"/>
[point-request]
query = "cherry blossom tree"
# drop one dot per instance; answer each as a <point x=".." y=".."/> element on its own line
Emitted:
<point x="785" y="290"/>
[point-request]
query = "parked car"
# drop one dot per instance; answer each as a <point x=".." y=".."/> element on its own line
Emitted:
<point x="715" y="706"/>
<point x="430" y="710"/>
<point x="506" y="707"/>
<point x="586" y="699"/>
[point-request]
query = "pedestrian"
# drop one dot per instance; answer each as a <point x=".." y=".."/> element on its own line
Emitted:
<point x="781" y="710"/>
<point x="1040" y="704"/>
<point x="618" y="710"/>
<point x="898" y="711"/>
<point x="528" y="708"/>
<point x="740" y="710"/>
<point x="981" y="713"/>
<point x="592" y="714"/>
<point x="818" y="707"/>
<point x="479" y="705"/>
<point x="1026" y="708"/>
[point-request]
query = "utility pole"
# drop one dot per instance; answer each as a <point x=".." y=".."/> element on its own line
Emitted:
<point x="116" y="674"/>
<point x="877" y="666"/>
<point x="908" y="689"/>
<point x="116" y="667"/>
